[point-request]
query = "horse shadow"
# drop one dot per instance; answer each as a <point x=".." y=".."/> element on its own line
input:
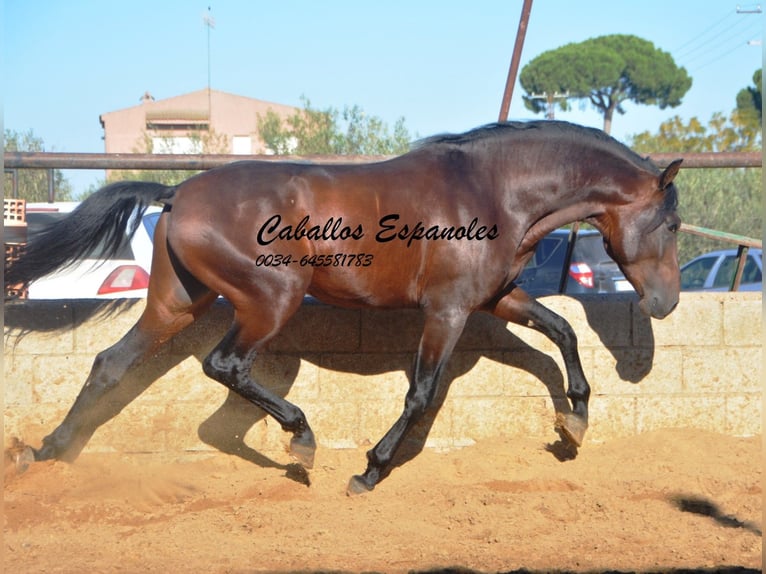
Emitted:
<point x="225" y="429"/>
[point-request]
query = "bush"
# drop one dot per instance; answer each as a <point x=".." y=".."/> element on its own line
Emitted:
<point x="725" y="199"/>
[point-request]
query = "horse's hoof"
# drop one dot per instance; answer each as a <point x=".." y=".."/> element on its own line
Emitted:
<point x="303" y="453"/>
<point x="357" y="486"/>
<point x="25" y="458"/>
<point x="572" y="427"/>
<point x="21" y="456"/>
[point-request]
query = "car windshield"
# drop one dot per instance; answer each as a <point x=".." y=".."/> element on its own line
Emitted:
<point x="548" y="246"/>
<point x="150" y="223"/>
<point x="725" y="275"/>
<point x="551" y="250"/>
<point x="752" y="272"/>
<point x="591" y="248"/>
<point x="693" y="275"/>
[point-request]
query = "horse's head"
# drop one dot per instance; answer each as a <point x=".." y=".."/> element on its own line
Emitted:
<point x="641" y="237"/>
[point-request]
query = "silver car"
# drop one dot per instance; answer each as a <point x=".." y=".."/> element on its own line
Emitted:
<point x="714" y="271"/>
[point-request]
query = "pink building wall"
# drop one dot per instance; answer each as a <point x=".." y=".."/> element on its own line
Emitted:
<point x="203" y="111"/>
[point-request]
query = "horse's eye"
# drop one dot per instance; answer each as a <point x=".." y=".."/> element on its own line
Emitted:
<point x="673" y="227"/>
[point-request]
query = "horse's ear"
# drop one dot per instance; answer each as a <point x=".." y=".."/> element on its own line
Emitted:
<point x="670" y="173"/>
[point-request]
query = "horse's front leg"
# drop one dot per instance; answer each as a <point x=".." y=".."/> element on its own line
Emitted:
<point x="441" y="332"/>
<point x="518" y="307"/>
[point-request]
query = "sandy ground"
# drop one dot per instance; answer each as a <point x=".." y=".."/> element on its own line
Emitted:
<point x="663" y="501"/>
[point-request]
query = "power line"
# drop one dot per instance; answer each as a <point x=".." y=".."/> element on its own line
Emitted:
<point x="719" y="39"/>
<point x="711" y="43"/>
<point x="734" y="49"/>
<point x="701" y="36"/>
<point x="741" y="37"/>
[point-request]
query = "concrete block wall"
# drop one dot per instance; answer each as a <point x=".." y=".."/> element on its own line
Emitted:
<point x="701" y="367"/>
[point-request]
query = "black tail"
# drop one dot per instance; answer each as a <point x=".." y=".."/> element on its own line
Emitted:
<point x="103" y="218"/>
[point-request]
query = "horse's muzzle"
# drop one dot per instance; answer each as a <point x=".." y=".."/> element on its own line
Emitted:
<point x="657" y="308"/>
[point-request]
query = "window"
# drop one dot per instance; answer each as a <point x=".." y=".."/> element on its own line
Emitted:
<point x="176" y="145"/>
<point x="150" y="223"/>
<point x="752" y="273"/>
<point x="241" y="145"/>
<point x="725" y="275"/>
<point x="545" y="248"/>
<point x="693" y="276"/>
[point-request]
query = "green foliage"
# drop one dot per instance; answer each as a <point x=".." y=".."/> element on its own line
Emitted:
<point x="606" y="71"/>
<point x="33" y="183"/>
<point x="749" y="101"/>
<point x="311" y="131"/>
<point x="725" y="199"/>
<point x="734" y="133"/>
<point x="369" y="135"/>
<point x="277" y="138"/>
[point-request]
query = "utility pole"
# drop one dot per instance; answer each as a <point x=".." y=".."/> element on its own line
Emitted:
<point x="756" y="10"/>
<point x="551" y="100"/>
<point x="505" y="105"/>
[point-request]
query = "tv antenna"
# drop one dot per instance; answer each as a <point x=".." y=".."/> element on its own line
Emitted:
<point x="209" y="22"/>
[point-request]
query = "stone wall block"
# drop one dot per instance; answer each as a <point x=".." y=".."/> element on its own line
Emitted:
<point x="743" y="319"/>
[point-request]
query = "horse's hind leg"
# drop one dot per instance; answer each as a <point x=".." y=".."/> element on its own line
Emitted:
<point x="230" y="363"/>
<point x="173" y="302"/>
<point x="93" y="406"/>
<point x="518" y="307"/>
<point x="89" y="409"/>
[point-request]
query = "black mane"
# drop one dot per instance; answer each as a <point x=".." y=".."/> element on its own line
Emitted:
<point x="544" y="128"/>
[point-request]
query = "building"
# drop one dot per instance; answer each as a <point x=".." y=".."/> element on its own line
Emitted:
<point x="182" y="124"/>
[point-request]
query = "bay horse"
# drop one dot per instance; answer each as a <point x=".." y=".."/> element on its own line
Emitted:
<point x="446" y="228"/>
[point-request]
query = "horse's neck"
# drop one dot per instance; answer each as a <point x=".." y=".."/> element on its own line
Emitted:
<point x="565" y="204"/>
<point x="540" y="226"/>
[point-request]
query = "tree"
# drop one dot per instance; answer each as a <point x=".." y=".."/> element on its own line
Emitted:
<point x="310" y="131"/>
<point x="369" y="135"/>
<point x="306" y="132"/>
<point x="606" y="71"/>
<point x="32" y="184"/>
<point x="726" y="199"/>
<point x="749" y="101"/>
<point x="721" y="134"/>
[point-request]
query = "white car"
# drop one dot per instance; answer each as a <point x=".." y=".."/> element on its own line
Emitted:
<point x="124" y="276"/>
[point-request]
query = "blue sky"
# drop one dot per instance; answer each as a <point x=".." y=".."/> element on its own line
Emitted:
<point x="440" y="64"/>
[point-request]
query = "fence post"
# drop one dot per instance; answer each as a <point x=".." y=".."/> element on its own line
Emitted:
<point x="51" y="184"/>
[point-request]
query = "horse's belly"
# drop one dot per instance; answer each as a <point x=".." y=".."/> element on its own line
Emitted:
<point x="362" y="287"/>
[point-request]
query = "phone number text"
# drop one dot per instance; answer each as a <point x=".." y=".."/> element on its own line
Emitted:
<point x="326" y="260"/>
